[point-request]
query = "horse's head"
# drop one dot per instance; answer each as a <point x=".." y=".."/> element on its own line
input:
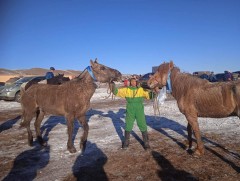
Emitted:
<point x="59" y="76"/>
<point x="58" y="79"/>
<point x="159" y="79"/>
<point x="103" y="73"/>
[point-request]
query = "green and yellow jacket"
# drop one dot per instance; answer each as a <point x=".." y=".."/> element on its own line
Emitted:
<point x="132" y="94"/>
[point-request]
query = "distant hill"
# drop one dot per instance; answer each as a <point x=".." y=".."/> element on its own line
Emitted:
<point x="36" y="71"/>
<point x="6" y="74"/>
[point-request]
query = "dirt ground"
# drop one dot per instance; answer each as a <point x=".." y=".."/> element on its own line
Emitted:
<point x="104" y="159"/>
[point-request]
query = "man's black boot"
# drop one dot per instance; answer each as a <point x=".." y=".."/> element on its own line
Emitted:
<point x="145" y="140"/>
<point x="126" y="140"/>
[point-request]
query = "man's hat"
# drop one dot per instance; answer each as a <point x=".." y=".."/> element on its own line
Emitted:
<point x="132" y="78"/>
<point x="52" y="68"/>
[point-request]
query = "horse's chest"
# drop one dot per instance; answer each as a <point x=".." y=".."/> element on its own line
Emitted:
<point x="77" y="105"/>
<point x="78" y="100"/>
<point x="184" y="105"/>
<point x="181" y="105"/>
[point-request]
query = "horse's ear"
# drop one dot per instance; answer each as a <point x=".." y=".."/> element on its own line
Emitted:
<point x="91" y="62"/>
<point x="96" y="60"/>
<point x="171" y="65"/>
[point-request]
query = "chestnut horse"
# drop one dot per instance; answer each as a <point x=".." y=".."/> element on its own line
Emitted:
<point x="198" y="98"/>
<point x="71" y="99"/>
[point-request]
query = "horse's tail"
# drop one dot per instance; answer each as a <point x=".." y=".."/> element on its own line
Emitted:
<point x="29" y="84"/>
<point x="22" y="123"/>
<point x="22" y="91"/>
<point x="236" y="93"/>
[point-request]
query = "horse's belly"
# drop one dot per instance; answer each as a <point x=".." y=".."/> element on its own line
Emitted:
<point x="54" y="111"/>
<point x="215" y="112"/>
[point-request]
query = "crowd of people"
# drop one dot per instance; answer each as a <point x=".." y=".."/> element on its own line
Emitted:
<point x="226" y="76"/>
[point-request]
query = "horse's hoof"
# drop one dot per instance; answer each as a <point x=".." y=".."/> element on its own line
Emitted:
<point x="124" y="148"/>
<point x="72" y="150"/>
<point x="30" y="142"/>
<point x="190" y="151"/>
<point x="44" y="144"/>
<point x="83" y="146"/>
<point x="197" y="153"/>
<point x="41" y="141"/>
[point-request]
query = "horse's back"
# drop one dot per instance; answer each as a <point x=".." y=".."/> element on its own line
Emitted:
<point x="236" y="90"/>
<point x="60" y="99"/>
<point x="214" y="100"/>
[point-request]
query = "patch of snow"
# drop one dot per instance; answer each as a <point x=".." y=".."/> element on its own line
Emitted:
<point x="9" y="105"/>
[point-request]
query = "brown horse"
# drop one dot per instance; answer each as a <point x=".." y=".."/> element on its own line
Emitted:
<point x="71" y="99"/>
<point x="198" y="98"/>
<point x="58" y="79"/>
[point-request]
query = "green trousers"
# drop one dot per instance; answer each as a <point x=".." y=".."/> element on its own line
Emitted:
<point x="135" y="111"/>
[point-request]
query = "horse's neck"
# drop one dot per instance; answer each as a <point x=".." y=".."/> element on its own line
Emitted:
<point x="53" y="80"/>
<point x="86" y="77"/>
<point x="87" y="80"/>
<point x="175" y="73"/>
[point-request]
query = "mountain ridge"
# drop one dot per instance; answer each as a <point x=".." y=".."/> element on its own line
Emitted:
<point x="37" y="71"/>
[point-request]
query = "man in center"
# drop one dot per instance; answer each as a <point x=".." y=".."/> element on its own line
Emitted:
<point x="134" y="110"/>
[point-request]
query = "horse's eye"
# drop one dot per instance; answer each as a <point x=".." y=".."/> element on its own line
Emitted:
<point x="102" y="68"/>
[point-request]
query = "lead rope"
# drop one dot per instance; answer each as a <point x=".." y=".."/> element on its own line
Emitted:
<point x="110" y="91"/>
<point x="156" y="106"/>
<point x="81" y="73"/>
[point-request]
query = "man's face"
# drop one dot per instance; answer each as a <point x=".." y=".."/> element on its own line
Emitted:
<point x="133" y="83"/>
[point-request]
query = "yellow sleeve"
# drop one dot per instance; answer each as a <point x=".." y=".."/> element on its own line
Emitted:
<point x="120" y="92"/>
<point x="145" y="94"/>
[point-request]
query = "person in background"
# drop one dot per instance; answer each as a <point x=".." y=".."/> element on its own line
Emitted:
<point x="50" y="74"/>
<point x="134" y="109"/>
<point x="228" y="75"/>
<point x="126" y="82"/>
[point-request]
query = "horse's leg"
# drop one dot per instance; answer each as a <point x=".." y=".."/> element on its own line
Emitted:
<point x="82" y="120"/>
<point x="27" y="120"/>
<point x="70" y="145"/>
<point x="189" y="129"/>
<point x="192" y="120"/>
<point x="37" y="124"/>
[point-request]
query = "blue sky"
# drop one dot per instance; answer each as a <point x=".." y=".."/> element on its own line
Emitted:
<point x="129" y="35"/>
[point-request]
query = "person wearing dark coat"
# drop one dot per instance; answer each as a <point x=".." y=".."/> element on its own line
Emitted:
<point x="50" y="74"/>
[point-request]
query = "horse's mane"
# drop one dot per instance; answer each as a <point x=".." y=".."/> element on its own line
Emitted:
<point x="185" y="81"/>
<point x="79" y="80"/>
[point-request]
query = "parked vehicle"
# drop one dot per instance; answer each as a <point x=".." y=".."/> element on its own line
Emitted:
<point x="12" y="91"/>
<point x="220" y="77"/>
<point x="143" y="80"/>
<point x="204" y="76"/>
<point x="236" y="75"/>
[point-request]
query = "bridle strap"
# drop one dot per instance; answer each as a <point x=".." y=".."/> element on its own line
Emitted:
<point x="90" y="71"/>
<point x="169" y="82"/>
